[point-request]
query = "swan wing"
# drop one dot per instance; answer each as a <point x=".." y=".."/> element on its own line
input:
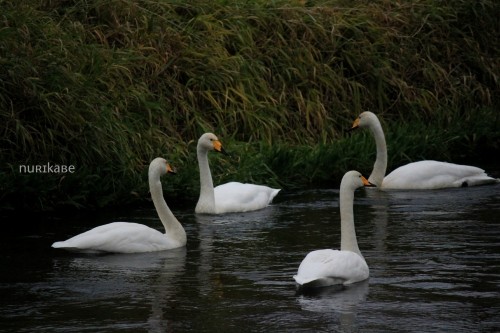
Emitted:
<point x="433" y="175"/>
<point x="328" y="267"/>
<point x="119" y="237"/>
<point x="240" y="197"/>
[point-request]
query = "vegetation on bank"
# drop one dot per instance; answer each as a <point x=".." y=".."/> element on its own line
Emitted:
<point x="107" y="85"/>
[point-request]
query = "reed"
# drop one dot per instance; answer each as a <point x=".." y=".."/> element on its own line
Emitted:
<point x="108" y="85"/>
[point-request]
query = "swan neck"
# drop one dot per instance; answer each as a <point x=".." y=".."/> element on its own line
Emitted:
<point x="380" y="166"/>
<point x="206" y="201"/>
<point x="348" y="241"/>
<point x="170" y="223"/>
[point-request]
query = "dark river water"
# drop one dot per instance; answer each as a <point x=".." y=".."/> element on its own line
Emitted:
<point x="434" y="259"/>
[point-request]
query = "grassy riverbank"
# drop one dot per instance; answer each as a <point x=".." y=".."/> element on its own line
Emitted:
<point x="108" y="85"/>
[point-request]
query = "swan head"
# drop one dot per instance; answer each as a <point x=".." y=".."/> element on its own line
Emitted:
<point x="365" y="119"/>
<point x="209" y="141"/>
<point x="353" y="180"/>
<point x="160" y="166"/>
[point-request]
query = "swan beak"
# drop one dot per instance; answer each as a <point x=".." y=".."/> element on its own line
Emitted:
<point x="170" y="169"/>
<point x="218" y="147"/>
<point x="355" y="125"/>
<point x="367" y="183"/>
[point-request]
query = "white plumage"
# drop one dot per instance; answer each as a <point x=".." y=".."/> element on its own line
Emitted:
<point x="125" y="237"/>
<point x="328" y="267"/>
<point x="420" y="175"/>
<point x="230" y="197"/>
<point x="433" y="175"/>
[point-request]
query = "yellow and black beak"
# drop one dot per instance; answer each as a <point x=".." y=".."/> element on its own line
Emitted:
<point x="366" y="183"/>
<point x="218" y="147"/>
<point x="170" y="169"/>
<point x="355" y="125"/>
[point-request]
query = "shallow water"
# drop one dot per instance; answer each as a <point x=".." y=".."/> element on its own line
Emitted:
<point x="434" y="259"/>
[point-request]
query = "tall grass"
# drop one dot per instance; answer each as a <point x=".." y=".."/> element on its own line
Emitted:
<point x="109" y="85"/>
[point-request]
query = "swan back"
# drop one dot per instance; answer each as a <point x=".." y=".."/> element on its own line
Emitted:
<point x="431" y="174"/>
<point x="328" y="267"/>
<point x="120" y="237"/>
<point x="242" y="197"/>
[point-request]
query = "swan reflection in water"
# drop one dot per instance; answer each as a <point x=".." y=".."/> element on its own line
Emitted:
<point x="165" y="288"/>
<point x="98" y="279"/>
<point x="221" y="236"/>
<point x="341" y="300"/>
<point x="337" y="298"/>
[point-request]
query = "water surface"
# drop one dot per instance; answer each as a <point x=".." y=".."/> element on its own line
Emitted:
<point x="434" y="259"/>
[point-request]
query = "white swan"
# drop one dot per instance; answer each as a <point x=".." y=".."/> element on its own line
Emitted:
<point x="125" y="237"/>
<point x="417" y="175"/>
<point x="230" y="197"/>
<point x="328" y="267"/>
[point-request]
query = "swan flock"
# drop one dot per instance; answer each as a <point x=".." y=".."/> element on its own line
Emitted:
<point x="319" y="268"/>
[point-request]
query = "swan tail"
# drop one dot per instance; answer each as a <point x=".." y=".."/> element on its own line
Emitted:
<point x="318" y="282"/>
<point x="62" y="245"/>
<point x="58" y="245"/>
<point x="477" y="181"/>
<point x="274" y="193"/>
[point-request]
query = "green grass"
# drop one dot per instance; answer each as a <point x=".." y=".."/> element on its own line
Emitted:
<point x="108" y="85"/>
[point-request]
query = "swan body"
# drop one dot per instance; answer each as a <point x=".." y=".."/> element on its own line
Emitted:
<point x="125" y="237"/>
<point x="328" y="267"/>
<point x="430" y="174"/>
<point x="322" y="268"/>
<point x="230" y="197"/>
<point x="420" y="175"/>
